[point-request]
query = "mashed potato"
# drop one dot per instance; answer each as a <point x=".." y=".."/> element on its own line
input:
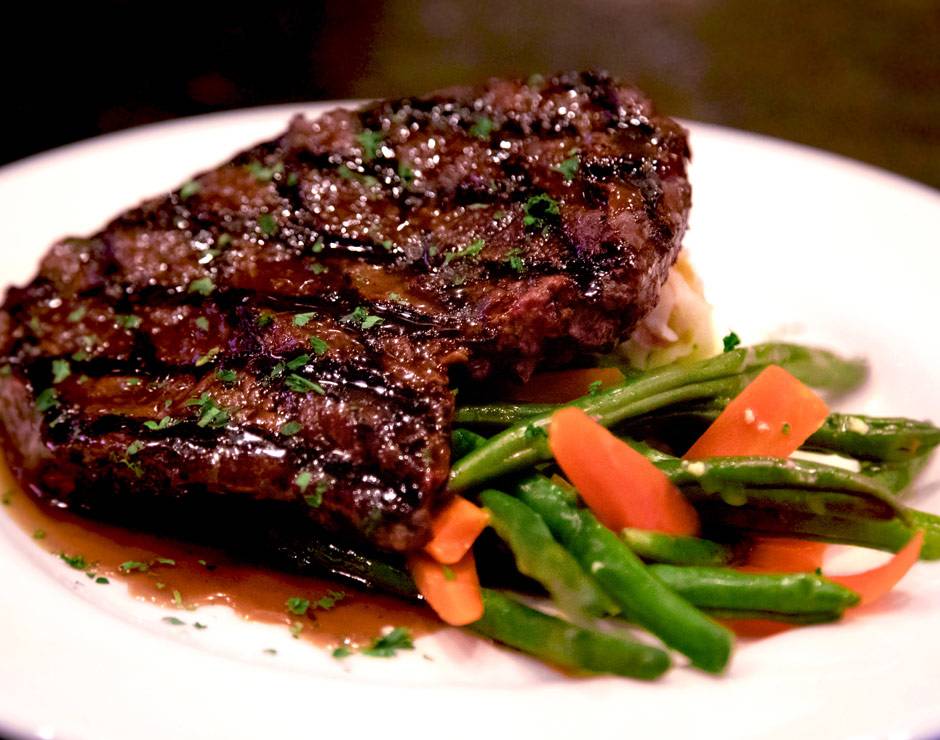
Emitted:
<point x="680" y="327"/>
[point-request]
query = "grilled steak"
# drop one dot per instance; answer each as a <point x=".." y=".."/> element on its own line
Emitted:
<point x="286" y="328"/>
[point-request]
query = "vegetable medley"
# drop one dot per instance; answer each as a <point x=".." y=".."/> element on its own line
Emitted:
<point x="678" y="501"/>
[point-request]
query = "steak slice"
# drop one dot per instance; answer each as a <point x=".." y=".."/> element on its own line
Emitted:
<point x="287" y="327"/>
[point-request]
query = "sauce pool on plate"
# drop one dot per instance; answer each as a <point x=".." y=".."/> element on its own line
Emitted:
<point x="182" y="577"/>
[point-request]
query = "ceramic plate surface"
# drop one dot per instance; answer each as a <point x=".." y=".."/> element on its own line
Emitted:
<point x="790" y="243"/>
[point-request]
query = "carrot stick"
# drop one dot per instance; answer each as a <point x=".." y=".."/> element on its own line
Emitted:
<point x="772" y="416"/>
<point x="453" y="591"/>
<point x="561" y="386"/>
<point x="872" y="584"/>
<point x="618" y="484"/>
<point x="783" y="555"/>
<point x="454" y="530"/>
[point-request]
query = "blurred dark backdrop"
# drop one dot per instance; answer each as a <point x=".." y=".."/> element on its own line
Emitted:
<point x="859" y="77"/>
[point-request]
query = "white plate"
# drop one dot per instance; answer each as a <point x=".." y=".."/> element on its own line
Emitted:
<point x="789" y="241"/>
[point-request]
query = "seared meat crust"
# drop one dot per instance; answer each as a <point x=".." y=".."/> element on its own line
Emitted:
<point x="286" y="326"/>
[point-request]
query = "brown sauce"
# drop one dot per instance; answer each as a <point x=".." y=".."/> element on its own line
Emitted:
<point x="202" y="576"/>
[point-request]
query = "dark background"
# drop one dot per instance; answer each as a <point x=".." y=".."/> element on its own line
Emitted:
<point x="858" y="77"/>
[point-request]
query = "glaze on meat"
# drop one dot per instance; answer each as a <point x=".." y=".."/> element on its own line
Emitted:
<point x="287" y="327"/>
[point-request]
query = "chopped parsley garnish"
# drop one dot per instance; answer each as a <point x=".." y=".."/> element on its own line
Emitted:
<point x="405" y="174"/>
<point x="318" y="246"/>
<point x="329" y="601"/>
<point x="318" y="345"/>
<point x="302" y="319"/>
<point x="39" y="534"/>
<point x="361" y="316"/>
<point x="297" y="605"/>
<point x="175" y="621"/>
<point x="208" y="357"/>
<point x="134" y="447"/>
<point x="370" y="141"/>
<point x="224" y="240"/>
<point x="595" y="387"/>
<point x="316" y="268"/>
<point x="295" y="629"/>
<point x="127" y="321"/>
<point x="514" y="258"/>
<point x="48" y="399"/>
<point x="387" y="645"/>
<point x="102" y="580"/>
<point x="292" y="179"/>
<point x="731" y="341"/>
<point x="303" y="480"/>
<point x="226" y="376"/>
<point x="189" y="189"/>
<point x="471" y="250"/>
<point x="210" y="413"/>
<point x="131" y="566"/>
<point x="388" y="245"/>
<point x="164" y="423"/>
<point x="264" y="319"/>
<point x="203" y="323"/>
<point x="267" y="224"/>
<point x="262" y="173"/>
<point x="482" y="127"/>
<point x="61" y="369"/>
<point x="177" y="598"/>
<point x="314" y="499"/>
<point x="342" y="652"/>
<point x="300" y="384"/>
<point x="298" y="362"/>
<point x="540" y="211"/>
<point x="77" y="315"/>
<point x="533" y="433"/>
<point x="569" y="167"/>
<point x="290" y="428"/>
<point x="202" y="286"/>
<point x="200" y="626"/>
<point x="76" y="561"/>
<point x="269" y="651"/>
<point x="277" y="371"/>
<point x="163" y="561"/>
<point x="785" y="429"/>
<point x="448" y="572"/>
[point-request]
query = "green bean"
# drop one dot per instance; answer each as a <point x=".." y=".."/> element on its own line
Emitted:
<point x="726" y="588"/>
<point x="794" y="619"/>
<point x="463" y="442"/>
<point x="875" y="438"/>
<point x="521" y="445"/>
<point x="559" y="642"/>
<point x="539" y="556"/>
<point x="767" y="481"/>
<point x="501" y="414"/>
<point x="895" y="476"/>
<point x="890" y="535"/>
<point x="643" y="598"/>
<point x="665" y="548"/>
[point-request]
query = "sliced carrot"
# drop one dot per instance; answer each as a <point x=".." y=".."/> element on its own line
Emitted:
<point x="454" y="530"/>
<point x="772" y="416"/>
<point x="875" y="583"/>
<point x="784" y="555"/>
<point x="453" y="591"/>
<point x="618" y="484"/>
<point x="561" y="386"/>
